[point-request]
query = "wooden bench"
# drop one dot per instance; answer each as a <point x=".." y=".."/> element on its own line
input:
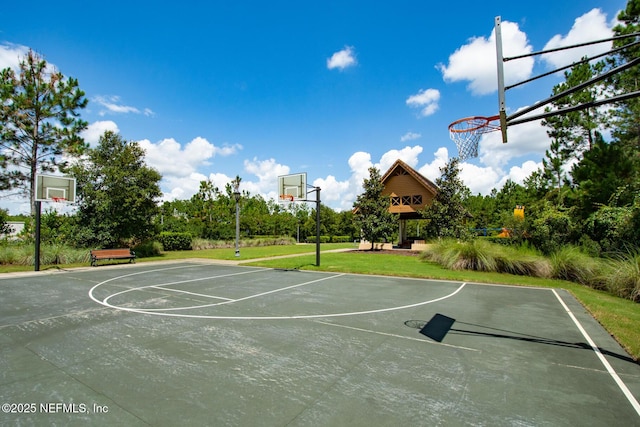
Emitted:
<point x="98" y="254"/>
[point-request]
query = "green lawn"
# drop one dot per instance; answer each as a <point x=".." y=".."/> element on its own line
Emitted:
<point x="620" y="317"/>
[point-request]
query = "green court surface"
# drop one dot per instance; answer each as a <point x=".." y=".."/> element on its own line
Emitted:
<point x="207" y="344"/>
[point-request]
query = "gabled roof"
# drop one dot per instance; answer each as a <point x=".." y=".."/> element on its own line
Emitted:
<point x="399" y="164"/>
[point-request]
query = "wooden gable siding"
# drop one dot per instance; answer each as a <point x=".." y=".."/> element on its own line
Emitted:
<point x="399" y="185"/>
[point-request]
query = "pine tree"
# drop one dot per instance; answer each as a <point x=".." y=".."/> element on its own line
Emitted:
<point x="38" y="123"/>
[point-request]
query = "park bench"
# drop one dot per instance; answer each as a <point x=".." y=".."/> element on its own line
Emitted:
<point x="98" y="254"/>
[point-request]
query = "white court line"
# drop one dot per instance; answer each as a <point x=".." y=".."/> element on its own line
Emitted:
<point x="165" y="311"/>
<point x="105" y="301"/>
<point x="180" y="291"/>
<point x="395" y="335"/>
<point x="228" y="300"/>
<point x="605" y="362"/>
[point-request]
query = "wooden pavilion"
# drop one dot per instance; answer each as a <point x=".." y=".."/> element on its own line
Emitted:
<point x="409" y="192"/>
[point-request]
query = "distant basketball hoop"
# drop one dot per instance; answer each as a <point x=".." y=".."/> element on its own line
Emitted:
<point x="286" y="199"/>
<point x="54" y="188"/>
<point x="466" y="133"/>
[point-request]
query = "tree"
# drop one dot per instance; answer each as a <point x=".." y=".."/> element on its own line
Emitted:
<point x="39" y="123"/>
<point x="574" y="131"/>
<point x="371" y="213"/>
<point x="5" y="228"/>
<point x="117" y="194"/>
<point x="626" y="116"/>
<point x="446" y="215"/>
<point x="603" y="177"/>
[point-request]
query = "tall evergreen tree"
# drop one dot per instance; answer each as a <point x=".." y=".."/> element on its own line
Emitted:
<point x="574" y="132"/>
<point x="39" y="122"/>
<point x="371" y="211"/>
<point x="626" y="115"/>
<point x="603" y="174"/>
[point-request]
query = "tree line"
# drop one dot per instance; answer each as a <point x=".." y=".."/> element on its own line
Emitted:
<point x="585" y="194"/>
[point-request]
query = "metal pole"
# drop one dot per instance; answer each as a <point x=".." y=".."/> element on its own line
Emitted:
<point x="237" y="228"/>
<point x="37" y="236"/>
<point x="318" y="226"/>
<point x="502" y="110"/>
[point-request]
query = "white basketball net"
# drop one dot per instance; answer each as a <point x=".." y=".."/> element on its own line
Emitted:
<point x="466" y="134"/>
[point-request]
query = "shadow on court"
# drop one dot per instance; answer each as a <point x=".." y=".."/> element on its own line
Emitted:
<point x="440" y="325"/>
<point x="194" y="343"/>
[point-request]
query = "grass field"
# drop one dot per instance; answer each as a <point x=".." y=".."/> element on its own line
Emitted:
<point x="619" y="316"/>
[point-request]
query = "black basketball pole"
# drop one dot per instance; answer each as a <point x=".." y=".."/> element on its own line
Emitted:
<point x="37" y="236"/>
<point x="318" y="226"/>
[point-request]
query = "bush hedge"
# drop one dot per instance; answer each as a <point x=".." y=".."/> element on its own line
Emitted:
<point x="172" y="241"/>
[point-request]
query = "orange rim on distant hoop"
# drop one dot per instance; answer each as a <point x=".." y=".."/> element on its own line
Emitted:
<point x="287" y="197"/>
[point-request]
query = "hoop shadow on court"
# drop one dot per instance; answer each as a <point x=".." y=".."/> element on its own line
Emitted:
<point x="440" y="325"/>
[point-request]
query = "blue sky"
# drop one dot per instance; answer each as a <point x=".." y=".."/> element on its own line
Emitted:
<point x="217" y="89"/>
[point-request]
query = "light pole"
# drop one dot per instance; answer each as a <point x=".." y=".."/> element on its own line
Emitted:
<point x="236" y="195"/>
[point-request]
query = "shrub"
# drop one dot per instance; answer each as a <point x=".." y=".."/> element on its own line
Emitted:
<point x="148" y="248"/>
<point x="175" y="241"/>
<point x="200" y="244"/>
<point x="323" y="239"/>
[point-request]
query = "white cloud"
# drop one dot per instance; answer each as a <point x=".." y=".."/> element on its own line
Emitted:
<point x="525" y="139"/>
<point x="342" y="59"/>
<point x="171" y="159"/>
<point x="179" y="165"/>
<point x="95" y="130"/>
<point x="267" y="172"/>
<point x="478" y="179"/>
<point x="11" y="55"/>
<point x="331" y="189"/>
<point x="588" y="27"/>
<point x="410" y="136"/>
<point x="475" y="62"/>
<point x="426" y="100"/>
<point x="409" y="155"/>
<point x="432" y="170"/>
<point x="113" y="105"/>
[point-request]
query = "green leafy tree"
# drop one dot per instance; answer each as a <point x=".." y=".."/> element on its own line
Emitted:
<point x="371" y="213"/>
<point x="551" y="227"/>
<point x="39" y="122"/>
<point x="5" y="228"/>
<point x="447" y="216"/>
<point x="117" y="194"/>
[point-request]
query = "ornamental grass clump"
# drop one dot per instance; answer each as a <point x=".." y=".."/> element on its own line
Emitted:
<point x="572" y="264"/>
<point x="480" y="255"/>
<point x="623" y="277"/>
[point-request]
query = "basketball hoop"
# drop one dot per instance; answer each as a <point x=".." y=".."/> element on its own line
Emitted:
<point x="466" y="133"/>
<point x="58" y="199"/>
<point x="286" y="200"/>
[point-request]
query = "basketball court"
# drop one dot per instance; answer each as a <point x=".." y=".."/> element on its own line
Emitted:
<point x="212" y="344"/>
